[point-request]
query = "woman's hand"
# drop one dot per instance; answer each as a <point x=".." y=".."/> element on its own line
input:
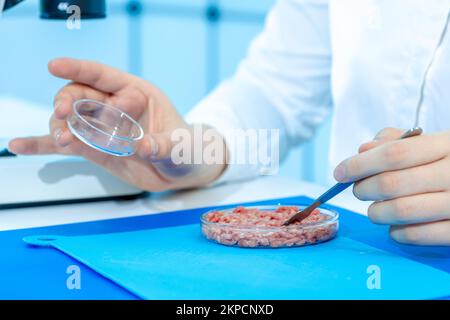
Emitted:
<point x="151" y="167"/>
<point x="409" y="182"/>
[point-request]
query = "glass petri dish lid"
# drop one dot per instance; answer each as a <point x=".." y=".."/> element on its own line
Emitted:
<point x="105" y="128"/>
<point x="262" y="230"/>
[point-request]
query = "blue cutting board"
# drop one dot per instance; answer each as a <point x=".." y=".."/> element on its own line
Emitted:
<point x="178" y="263"/>
<point x="28" y="272"/>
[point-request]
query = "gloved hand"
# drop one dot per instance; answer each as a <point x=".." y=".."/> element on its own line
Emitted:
<point x="151" y="167"/>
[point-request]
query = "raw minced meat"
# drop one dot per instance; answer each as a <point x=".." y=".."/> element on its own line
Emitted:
<point x="252" y="227"/>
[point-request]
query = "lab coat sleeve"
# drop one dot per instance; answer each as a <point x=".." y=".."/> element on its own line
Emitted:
<point x="282" y="84"/>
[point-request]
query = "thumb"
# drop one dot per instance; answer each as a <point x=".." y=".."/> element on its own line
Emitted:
<point x="155" y="147"/>
<point x="90" y="73"/>
<point x="383" y="136"/>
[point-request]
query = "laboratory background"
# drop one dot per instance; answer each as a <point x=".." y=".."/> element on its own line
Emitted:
<point x="186" y="47"/>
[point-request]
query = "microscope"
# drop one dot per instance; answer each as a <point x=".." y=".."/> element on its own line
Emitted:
<point x="42" y="180"/>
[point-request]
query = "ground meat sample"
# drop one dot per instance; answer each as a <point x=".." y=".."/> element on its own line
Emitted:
<point x="263" y="227"/>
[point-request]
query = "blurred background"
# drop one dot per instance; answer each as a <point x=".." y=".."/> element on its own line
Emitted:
<point x="186" y="47"/>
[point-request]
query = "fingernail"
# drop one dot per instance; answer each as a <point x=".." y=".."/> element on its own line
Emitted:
<point x="57" y="105"/>
<point x="12" y="147"/>
<point x="57" y="134"/>
<point x="58" y="110"/>
<point x="154" y="148"/>
<point x="339" y="173"/>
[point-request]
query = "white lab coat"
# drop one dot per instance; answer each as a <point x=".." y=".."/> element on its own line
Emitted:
<point x="363" y="59"/>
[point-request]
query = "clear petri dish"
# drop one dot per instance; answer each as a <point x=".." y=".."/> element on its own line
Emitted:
<point x="253" y="233"/>
<point x="105" y="128"/>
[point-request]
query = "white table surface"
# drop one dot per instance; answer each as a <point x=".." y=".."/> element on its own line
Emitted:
<point x="259" y="189"/>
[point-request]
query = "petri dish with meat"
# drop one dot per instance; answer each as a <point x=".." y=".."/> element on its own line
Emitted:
<point x="262" y="227"/>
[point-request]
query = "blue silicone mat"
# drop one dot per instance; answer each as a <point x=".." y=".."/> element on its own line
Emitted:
<point x="178" y="263"/>
<point x="195" y="268"/>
